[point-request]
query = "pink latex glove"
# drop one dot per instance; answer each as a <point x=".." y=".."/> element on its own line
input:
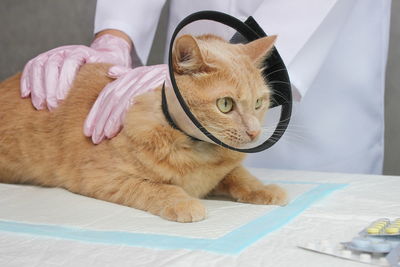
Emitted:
<point x="48" y="77"/>
<point x="108" y="112"/>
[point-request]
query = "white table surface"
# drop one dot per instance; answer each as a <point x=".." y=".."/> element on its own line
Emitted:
<point x="337" y="218"/>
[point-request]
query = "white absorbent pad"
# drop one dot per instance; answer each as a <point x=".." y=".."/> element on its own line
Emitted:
<point x="229" y="227"/>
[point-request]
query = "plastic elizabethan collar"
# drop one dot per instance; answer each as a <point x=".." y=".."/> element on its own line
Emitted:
<point x="183" y="117"/>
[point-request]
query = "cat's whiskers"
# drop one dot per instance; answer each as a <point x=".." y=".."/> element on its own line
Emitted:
<point x="273" y="101"/>
<point x="288" y="133"/>
<point x="291" y="126"/>
<point x="273" y="82"/>
<point x="272" y="72"/>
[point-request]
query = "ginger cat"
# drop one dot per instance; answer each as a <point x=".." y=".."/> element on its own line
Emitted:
<point x="149" y="165"/>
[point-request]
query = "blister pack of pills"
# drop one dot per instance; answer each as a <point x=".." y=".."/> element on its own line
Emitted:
<point x="377" y="244"/>
<point x="383" y="227"/>
<point x="340" y="251"/>
<point x="365" y="244"/>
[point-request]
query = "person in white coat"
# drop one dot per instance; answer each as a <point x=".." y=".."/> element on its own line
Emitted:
<point x="335" y="52"/>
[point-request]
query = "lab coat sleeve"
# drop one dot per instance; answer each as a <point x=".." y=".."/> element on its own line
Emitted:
<point x="306" y="31"/>
<point x="137" y="18"/>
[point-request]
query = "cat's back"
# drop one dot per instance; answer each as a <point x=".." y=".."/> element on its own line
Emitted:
<point x="32" y="141"/>
<point x="12" y="106"/>
<point x="89" y="81"/>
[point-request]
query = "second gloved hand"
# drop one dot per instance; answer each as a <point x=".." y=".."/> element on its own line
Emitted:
<point x="106" y="117"/>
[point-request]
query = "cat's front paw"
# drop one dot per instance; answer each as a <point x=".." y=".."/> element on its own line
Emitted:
<point x="267" y="195"/>
<point x="187" y="210"/>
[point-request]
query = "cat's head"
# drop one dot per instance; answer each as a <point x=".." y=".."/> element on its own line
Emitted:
<point x="223" y="85"/>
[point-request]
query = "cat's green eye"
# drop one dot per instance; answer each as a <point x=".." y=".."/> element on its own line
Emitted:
<point x="259" y="103"/>
<point x="225" y="104"/>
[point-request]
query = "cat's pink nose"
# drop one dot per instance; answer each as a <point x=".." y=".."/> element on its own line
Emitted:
<point x="253" y="134"/>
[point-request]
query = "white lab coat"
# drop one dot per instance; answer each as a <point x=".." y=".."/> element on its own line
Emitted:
<point x="335" y="51"/>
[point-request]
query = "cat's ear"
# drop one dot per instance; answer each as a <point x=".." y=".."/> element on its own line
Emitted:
<point x="259" y="49"/>
<point x="187" y="57"/>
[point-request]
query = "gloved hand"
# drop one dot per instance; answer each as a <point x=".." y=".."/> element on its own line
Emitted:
<point x="108" y="112"/>
<point x="48" y="77"/>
